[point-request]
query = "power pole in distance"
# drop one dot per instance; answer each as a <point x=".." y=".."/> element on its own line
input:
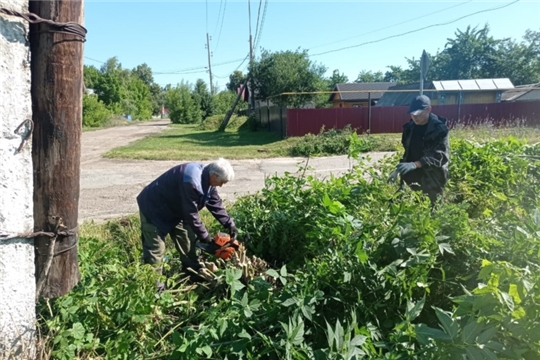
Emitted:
<point x="209" y="64"/>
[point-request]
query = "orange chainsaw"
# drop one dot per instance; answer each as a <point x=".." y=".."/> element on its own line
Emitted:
<point x="222" y="246"/>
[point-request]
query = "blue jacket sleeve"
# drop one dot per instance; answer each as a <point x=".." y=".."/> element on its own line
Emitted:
<point x="191" y="196"/>
<point x="215" y="206"/>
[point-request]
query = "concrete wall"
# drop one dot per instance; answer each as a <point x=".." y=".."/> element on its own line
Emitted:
<point x="17" y="283"/>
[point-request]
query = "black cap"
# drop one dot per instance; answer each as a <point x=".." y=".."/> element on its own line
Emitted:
<point x="419" y="104"/>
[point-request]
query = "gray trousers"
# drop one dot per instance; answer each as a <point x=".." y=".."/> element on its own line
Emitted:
<point x="153" y="243"/>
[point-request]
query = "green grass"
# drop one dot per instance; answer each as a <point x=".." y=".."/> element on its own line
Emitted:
<point x="186" y="142"/>
<point x="190" y="142"/>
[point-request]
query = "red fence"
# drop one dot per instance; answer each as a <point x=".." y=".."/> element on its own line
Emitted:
<point x="390" y="119"/>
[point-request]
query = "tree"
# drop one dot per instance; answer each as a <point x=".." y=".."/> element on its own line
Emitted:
<point x="286" y="71"/>
<point x="236" y="79"/>
<point x="369" y="76"/>
<point x="203" y="98"/>
<point x="224" y="100"/>
<point x="138" y="100"/>
<point x="144" y="72"/>
<point x="91" y="76"/>
<point x="182" y="108"/>
<point x="473" y="54"/>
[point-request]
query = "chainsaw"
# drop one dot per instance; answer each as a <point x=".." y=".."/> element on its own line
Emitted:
<point x="222" y="246"/>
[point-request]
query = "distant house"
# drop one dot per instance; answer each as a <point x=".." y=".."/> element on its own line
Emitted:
<point x="530" y="92"/>
<point x="450" y="92"/>
<point x="357" y="94"/>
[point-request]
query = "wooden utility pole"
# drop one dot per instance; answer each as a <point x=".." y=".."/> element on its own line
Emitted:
<point x="252" y="92"/>
<point x="57" y="87"/>
<point x="229" y="113"/>
<point x="209" y="64"/>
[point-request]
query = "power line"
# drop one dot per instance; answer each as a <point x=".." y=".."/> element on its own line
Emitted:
<point x="181" y="71"/>
<point x="221" y="27"/>
<point x="86" y="57"/>
<point x="413" y="31"/>
<point x="391" y="26"/>
<point x="258" y="17"/>
<point x="258" y="38"/>
<point x="219" y="15"/>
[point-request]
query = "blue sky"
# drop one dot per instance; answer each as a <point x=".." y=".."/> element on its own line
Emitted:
<point x="170" y="36"/>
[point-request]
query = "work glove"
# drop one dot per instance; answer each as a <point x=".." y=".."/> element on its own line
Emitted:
<point x="393" y="176"/>
<point x="405" y="167"/>
<point x="207" y="240"/>
<point x="233" y="231"/>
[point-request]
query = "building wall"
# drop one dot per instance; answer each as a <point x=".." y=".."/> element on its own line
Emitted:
<point x="17" y="282"/>
<point x="343" y="104"/>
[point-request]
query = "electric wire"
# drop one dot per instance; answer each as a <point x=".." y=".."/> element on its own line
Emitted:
<point x="416" y="30"/>
<point x="391" y="26"/>
<point x="221" y="27"/>
<point x="258" y="38"/>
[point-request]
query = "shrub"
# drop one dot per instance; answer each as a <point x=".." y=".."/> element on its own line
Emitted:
<point x="95" y="113"/>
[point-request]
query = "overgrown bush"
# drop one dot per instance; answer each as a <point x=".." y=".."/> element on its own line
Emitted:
<point x="331" y="142"/>
<point x="359" y="271"/>
<point x="95" y="113"/>
<point x="213" y="122"/>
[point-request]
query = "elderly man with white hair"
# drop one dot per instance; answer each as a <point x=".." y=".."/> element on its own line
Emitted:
<point x="171" y="203"/>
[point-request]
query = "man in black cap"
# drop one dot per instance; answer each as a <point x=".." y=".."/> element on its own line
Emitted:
<point x="424" y="165"/>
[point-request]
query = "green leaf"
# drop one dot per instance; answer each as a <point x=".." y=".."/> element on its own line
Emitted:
<point x="471" y="331"/>
<point x="223" y="327"/>
<point x="508" y="300"/>
<point x="283" y="271"/>
<point x="474" y="353"/>
<point x="489" y="354"/>
<point x="358" y="340"/>
<point x="207" y="350"/>
<point x="77" y="331"/>
<point x="289" y="302"/>
<point x="449" y="326"/>
<point x="244" y="334"/>
<point x="362" y="255"/>
<point x="445" y="247"/>
<point x="414" y="310"/>
<point x="273" y="273"/>
<point x="424" y="332"/>
<point x="484" y="337"/>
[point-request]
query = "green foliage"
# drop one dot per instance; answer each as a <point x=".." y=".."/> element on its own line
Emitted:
<point x="287" y="71"/>
<point x="203" y="98"/>
<point x="331" y="142"/>
<point x="473" y="54"/>
<point x="357" y="271"/>
<point x="182" y="107"/>
<point x="236" y="79"/>
<point x="369" y="76"/>
<point x="95" y="113"/>
<point x="213" y="122"/>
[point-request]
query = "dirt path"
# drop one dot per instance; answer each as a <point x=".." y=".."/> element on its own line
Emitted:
<point x="109" y="187"/>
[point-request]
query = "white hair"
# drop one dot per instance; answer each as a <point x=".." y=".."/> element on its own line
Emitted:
<point x="222" y="168"/>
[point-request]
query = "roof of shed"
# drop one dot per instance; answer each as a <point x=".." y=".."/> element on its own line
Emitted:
<point x="360" y="91"/>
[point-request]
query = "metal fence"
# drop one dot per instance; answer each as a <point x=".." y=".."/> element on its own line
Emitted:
<point x="390" y="119"/>
<point x="274" y="119"/>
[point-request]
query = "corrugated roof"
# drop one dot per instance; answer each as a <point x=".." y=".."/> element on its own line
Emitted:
<point x="361" y="92"/>
<point x="521" y="93"/>
<point x="473" y="84"/>
<point x="405" y="98"/>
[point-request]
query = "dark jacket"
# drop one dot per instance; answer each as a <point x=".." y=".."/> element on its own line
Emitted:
<point x="178" y="195"/>
<point x="436" y="148"/>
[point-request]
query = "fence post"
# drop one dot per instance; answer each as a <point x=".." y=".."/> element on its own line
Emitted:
<point x="369" y="113"/>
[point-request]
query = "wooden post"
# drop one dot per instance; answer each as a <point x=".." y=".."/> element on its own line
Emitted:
<point x="369" y="113"/>
<point x="229" y="113"/>
<point x="57" y="87"/>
